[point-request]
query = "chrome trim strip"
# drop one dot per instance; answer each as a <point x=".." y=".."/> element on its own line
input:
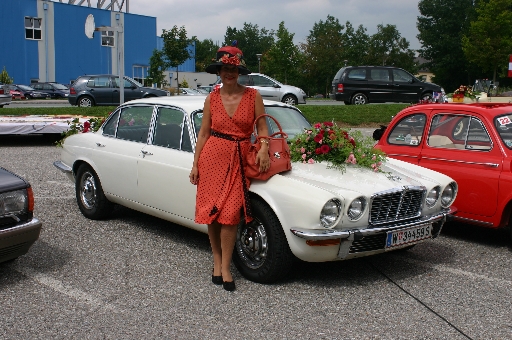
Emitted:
<point x="330" y="234"/>
<point x="469" y="220"/>
<point x="492" y="165"/>
<point x="34" y="223"/>
<point x="63" y="167"/>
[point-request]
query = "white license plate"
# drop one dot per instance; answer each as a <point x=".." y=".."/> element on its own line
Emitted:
<point x="409" y="235"/>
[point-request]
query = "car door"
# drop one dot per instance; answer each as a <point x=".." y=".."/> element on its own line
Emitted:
<point x="267" y="88"/>
<point x="131" y="91"/>
<point x="459" y="145"/>
<point x="380" y="88"/>
<point x="120" y="148"/>
<point x="101" y="90"/>
<point x="165" y="165"/>
<point x="405" y="87"/>
<point x="405" y="139"/>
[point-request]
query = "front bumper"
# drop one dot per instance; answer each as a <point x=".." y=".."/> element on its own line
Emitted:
<point x="349" y="238"/>
<point x="16" y="240"/>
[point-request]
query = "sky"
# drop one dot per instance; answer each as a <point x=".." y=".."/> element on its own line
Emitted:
<point x="209" y="19"/>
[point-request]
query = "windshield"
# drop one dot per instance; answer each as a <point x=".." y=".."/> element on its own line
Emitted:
<point x="134" y="81"/>
<point x="504" y="127"/>
<point x="25" y="87"/>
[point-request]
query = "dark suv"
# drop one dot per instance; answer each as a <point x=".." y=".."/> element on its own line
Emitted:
<point x="380" y="84"/>
<point x="103" y="89"/>
<point x="54" y="90"/>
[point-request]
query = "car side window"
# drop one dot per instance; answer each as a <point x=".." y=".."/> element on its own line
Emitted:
<point x="478" y="138"/>
<point x="379" y="74"/>
<point x="47" y="87"/>
<point x="262" y="81"/>
<point x="127" y="84"/>
<point x="458" y="132"/>
<point x="134" y="123"/>
<point x="244" y="80"/>
<point x="356" y="74"/>
<point x="504" y="127"/>
<point x="408" y="131"/>
<point x="99" y="82"/>
<point x="401" y="76"/>
<point x="169" y="130"/>
<point x="110" y="127"/>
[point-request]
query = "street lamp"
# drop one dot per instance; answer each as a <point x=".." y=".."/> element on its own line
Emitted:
<point x="259" y="62"/>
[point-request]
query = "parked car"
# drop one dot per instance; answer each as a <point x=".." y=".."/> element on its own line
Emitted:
<point x="16" y="94"/>
<point x="55" y="90"/>
<point x="202" y="91"/>
<point x="29" y="92"/>
<point x="5" y="95"/>
<point x="380" y="84"/>
<point x="19" y="229"/>
<point x="208" y="88"/>
<point x="313" y="212"/>
<point x="271" y="89"/>
<point x="472" y="143"/>
<point x="190" y="92"/>
<point x="103" y="89"/>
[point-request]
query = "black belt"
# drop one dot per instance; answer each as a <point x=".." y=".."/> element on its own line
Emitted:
<point x="247" y="205"/>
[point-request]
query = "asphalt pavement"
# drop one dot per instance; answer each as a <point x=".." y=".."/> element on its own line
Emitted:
<point x="133" y="276"/>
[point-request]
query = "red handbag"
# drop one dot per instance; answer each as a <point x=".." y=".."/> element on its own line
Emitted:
<point x="278" y="150"/>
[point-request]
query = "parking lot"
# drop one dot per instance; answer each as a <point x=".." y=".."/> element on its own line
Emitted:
<point x="135" y="276"/>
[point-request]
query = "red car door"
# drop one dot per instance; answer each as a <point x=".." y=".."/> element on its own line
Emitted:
<point x="459" y="145"/>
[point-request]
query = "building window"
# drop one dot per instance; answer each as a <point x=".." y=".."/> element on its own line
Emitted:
<point x="140" y="74"/>
<point x="107" y="38"/>
<point x="33" y="28"/>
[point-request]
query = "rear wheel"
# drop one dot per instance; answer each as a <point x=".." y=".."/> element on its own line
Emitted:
<point x="89" y="194"/>
<point x="359" y="99"/>
<point x="85" y="101"/>
<point x="426" y="97"/>
<point x="262" y="253"/>
<point x="290" y="99"/>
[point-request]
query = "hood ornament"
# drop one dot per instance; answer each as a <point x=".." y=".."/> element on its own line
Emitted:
<point x="395" y="178"/>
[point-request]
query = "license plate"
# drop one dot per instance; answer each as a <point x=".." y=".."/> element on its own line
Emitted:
<point x="409" y="235"/>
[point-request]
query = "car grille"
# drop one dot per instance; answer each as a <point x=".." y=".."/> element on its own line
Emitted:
<point x="399" y="205"/>
<point x="369" y="243"/>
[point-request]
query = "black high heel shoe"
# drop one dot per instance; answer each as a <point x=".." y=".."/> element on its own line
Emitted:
<point x="217" y="279"/>
<point x="229" y="286"/>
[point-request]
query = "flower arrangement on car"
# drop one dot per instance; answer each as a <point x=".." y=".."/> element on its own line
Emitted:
<point x="329" y="143"/>
<point x="463" y="91"/>
<point x="76" y="126"/>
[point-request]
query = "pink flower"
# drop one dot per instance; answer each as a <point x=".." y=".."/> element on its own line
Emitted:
<point x="309" y="132"/>
<point x="302" y="150"/>
<point x="351" y="159"/>
<point x="311" y="161"/>
<point x="303" y="156"/>
<point x="374" y="157"/>
<point x="131" y="122"/>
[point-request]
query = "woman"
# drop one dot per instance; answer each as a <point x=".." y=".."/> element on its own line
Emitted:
<point x="222" y="145"/>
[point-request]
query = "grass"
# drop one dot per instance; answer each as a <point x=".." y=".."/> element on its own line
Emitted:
<point x="344" y="115"/>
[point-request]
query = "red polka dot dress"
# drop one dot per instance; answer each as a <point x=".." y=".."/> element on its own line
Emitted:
<point x="220" y="194"/>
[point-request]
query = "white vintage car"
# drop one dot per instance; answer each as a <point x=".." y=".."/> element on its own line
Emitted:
<point x="142" y="155"/>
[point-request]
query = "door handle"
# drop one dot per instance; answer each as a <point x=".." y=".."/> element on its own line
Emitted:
<point x="99" y="144"/>
<point x="146" y="153"/>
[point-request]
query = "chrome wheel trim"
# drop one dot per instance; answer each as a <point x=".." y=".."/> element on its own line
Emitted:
<point x="85" y="102"/>
<point x="88" y="191"/>
<point x="290" y="100"/>
<point x="252" y="244"/>
<point x="359" y="100"/>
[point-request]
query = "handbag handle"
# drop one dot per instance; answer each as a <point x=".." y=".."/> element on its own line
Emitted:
<point x="281" y="132"/>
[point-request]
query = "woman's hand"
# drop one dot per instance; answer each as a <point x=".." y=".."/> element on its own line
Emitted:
<point x="263" y="159"/>
<point x="194" y="175"/>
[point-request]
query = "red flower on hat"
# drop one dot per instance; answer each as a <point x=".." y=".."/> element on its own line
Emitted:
<point x="234" y="60"/>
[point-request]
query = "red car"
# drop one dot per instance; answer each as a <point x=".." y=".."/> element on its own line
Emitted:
<point x="472" y="143"/>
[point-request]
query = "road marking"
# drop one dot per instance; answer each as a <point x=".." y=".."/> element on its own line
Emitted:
<point x="73" y="293"/>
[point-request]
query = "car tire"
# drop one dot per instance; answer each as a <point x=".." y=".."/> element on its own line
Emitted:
<point x="359" y="99"/>
<point x="290" y="99"/>
<point x="426" y="97"/>
<point x="89" y="194"/>
<point x="27" y="97"/>
<point x="261" y="251"/>
<point x="85" y="101"/>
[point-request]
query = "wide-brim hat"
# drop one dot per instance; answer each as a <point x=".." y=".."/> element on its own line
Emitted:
<point x="228" y="55"/>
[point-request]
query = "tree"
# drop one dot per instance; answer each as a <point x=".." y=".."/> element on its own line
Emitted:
<point x="205" y="52"/>
<point x="442" y="24"/>
<point x="156" y="70"/>
<point x="489" y="40"/>
<point x="282" y="59"/>
<point x="176" y="47"/>
<point x="251" y="40"/>
<point x="323" y="53"/>
<point x="355" y="45"/>
<point x="387" y="47"/>
<point x="4" y="77"/>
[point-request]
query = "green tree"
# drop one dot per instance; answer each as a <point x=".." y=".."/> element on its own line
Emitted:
<point x="252" y="41"/>
<point x="388" y="47"/>
<point x="441" y="24"/>
<point x="156" y="69"/>
<point x="4" y="77"/>
<point x="282" y="59"/>
<point x="355" y="45"/>
<point x="489" y="40"/>
<point x="323" y="53"/>
<point x="176" y="47"/>
<point x="205" y="52"/>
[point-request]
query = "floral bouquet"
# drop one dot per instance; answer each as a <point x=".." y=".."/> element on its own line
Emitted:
<point x="328" y="142"/>
<point x="463" y="91"/>
<point x="75" y="126"/>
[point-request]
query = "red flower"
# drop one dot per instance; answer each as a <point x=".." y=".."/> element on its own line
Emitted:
<point x="231" y="61"/>
<point x="87" y="125"/>
<point x="353" y="142"/>
<point x="318" y="138"/>
<point x="325" y="148"/>
<point x="328" y="124"/>
<point x="318" y="151"/>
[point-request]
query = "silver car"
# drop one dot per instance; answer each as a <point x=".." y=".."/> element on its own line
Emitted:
<point x="271" y="89"/>
<point x="5" y="95"/>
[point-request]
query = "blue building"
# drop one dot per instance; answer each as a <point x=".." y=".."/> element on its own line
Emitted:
<point x="45" y="40"/>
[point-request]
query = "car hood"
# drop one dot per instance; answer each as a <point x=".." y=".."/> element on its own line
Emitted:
<point x="10" y="181"/>
<point x="362" y="180"/>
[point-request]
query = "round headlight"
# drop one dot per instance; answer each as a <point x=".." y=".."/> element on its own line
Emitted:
<point x="448" y="195"/>
<point x="356" y="208"/>
<point x="330" y="213"/>
<point x="432" y="196"/>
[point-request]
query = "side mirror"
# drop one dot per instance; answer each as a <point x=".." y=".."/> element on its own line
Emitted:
<point x="277" y="86"/>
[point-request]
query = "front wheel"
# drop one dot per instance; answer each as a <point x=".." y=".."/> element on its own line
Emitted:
<point x="290" y="99"/>
<point x="426" y="97"/>
<point x="359" y="99"/>
<point x="85" y="101"/>
<point x="262" y="253"/>
<point x="89" y="194"/>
